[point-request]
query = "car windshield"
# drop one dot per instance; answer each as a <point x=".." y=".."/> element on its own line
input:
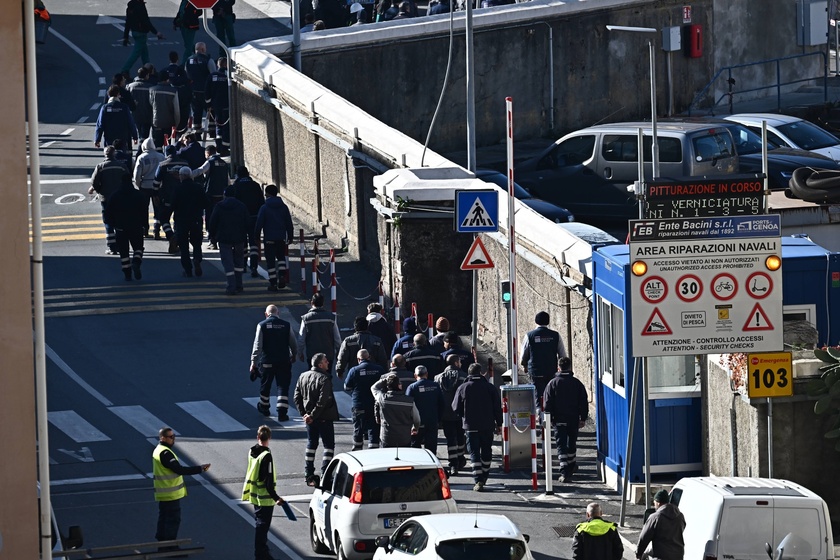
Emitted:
<point x="416" y="485"/>
<point x="748" y="142"/>
<point x="485" y="549"/>
<point x="808" y="136"/>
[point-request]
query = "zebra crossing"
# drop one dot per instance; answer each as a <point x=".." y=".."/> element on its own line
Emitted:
<point x="153" y="297"/>
<point x="147" y="423"/>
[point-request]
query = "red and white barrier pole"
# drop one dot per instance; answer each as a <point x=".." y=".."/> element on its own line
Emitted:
<point x="549" y="475"/>
<point x="396" y="315"/>
<point x="302" y="263"/>
<point x="505" y="435"/>
<point x="534" y="451"/>
<point x="333" y="284"/>
<point x="315" y="283"/>
<point x="430" y="325"/>
<point x="381" y="296"/>
<point x="414" y="311"/>
<point x="512" y="245"/>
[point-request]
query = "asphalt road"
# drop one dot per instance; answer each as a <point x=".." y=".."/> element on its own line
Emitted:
<point x="124" y="358"/>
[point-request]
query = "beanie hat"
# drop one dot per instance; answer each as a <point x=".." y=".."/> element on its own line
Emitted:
<point x="662" y="497"/>
<point x="185" y="172"/>
<point x="360" y="324"/>
<point x="442" y="324"/>
<point x="410" y="325"/>
<point x="541" y="318"/>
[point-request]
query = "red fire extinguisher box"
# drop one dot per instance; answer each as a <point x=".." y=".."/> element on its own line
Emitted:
<point x="693" y="41"/>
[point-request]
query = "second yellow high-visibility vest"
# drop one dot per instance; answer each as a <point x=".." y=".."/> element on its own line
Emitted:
<point x="254" y="490"/>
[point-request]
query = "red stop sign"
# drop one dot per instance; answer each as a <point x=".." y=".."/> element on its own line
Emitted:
<point x="203" y="4"/>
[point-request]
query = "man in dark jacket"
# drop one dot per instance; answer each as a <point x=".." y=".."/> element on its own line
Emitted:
<point x="542" y="348"/>
<point x="406" y="341"/>
<point x="260" y="489"/>
<point x="359" y="381"/>
<point x="187" y="19"/>
<point x="272" y="355"/>
<point x="108" y="177"/>
<point x="452" y="345"/>
<point x="166" y="108"/>
<point x="188" y="208"/>
<point x="251" y="195"/>
<point x="379" y="325"/>
<point x="139" y="90"/>
<point x="478" y="404"/>
<point x="395" y="412"/>
<point x="429" y="401"/>
<point x="216" y="97"/>
<point x="315" y="402"/>
<point x="423" y="355"/>
<point x="228" y="228"/>
<point x="114" y="121"/>
<point x="166" y="182"/>
<point x="199" y="66"/>
<point x="318" y="331"/>
<point x="566" y="400"/>
<point x="596" y="539"/>
<point x="664" y="530"/>
<point x="274" y="225"/>
<point x="398" y="368"/>
<point x="223" y="20"/>
<point x="125" y="211"/>
<point x="137" y="23"/>
<point x="355" y="342"/>
<point x="449" y="380"/>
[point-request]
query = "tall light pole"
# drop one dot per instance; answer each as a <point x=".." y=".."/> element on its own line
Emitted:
<point x="654" y="143"/>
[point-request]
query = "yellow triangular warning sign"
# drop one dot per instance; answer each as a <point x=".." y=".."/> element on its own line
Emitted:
<point x="656" y="324"/>
<point x="477" y="257"/>
<point x="757" y="320"/>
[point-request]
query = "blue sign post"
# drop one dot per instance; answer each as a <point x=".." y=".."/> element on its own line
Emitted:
<point x="476" y="211"/>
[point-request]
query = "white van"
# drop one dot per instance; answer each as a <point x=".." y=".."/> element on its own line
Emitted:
<point x="733" y="518"/>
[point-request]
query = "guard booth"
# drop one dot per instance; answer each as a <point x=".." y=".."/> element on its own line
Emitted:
<point x="811" y="292"/>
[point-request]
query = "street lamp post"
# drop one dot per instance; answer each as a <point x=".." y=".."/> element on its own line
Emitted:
<point x="654" y="148"/>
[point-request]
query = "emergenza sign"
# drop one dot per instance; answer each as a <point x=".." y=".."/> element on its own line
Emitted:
<point x="706" y="286"/>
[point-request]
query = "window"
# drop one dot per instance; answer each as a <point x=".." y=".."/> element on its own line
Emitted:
<point x="416" y="485"/>
<point x="625" y="147"/>
<point x="717" y="145"/>
<point x="487" y="549"/>
<point x="673" y="373"/>
<point x="329" y="475"/>
<point x="343" y="484"/>
<point x="402" y="541"/>
<point x="610" y="343"/>
<point x="805" y="312"/>
<point x="574" y="150"/>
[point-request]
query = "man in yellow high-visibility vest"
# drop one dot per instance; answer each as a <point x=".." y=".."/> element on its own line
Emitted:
<point x="169" y="486"/>
<point x="259" y="489"/>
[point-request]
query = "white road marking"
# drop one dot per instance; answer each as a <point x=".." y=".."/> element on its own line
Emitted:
<point x="75" y="377"/>
<point x="108" y="20"/>
<point x="248" y="516"/>
<point x="95" y="106"/>
<point x="212" y="416"/>
<point x="82" y="120"/>
<point x="62" y="181"/>
<point x="76" y="427"/>
<point x="47" y="144"/>
<point x="79" y="51"/>
<point x="140" y="419"/>
<point x="102" y="93"/>
<point x="69" y="130"/>
<point x="84" y="455"/>
<point x="95" y="479"/>
<point x="101" y="80"/>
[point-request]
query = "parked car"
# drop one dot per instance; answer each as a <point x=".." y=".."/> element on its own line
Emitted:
<point x="455" y="536"/>
<point x="793" y="132"/>
<point x="734" y="517"/>
<point x="588" y="171"/>
<point x="782" y="161"/>
<point x="555" y="213"/>
<point x="367" y="494"/>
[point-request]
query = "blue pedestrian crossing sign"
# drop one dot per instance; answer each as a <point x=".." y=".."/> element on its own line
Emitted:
<point x="476" y="211"/>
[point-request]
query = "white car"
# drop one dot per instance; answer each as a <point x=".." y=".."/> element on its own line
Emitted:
<point x="455" y="536"/>
<point x="785" y="130"/>
<point x="367" y="494"/>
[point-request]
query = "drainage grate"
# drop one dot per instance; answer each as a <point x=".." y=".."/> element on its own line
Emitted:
<point x="565" y="530"/>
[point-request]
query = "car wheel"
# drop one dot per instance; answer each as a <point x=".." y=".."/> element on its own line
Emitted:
<point x="317" y="546"/>
<point x="339" y="552"/>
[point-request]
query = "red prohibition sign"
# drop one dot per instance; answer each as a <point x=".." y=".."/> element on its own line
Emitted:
<point x="724" y="286"/>
<point x="689" y="288"/>
<point x="759" y="285"/>
<point x="654" y="289"/>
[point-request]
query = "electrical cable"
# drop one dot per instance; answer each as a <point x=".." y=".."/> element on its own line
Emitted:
<point x="445" y="80"/>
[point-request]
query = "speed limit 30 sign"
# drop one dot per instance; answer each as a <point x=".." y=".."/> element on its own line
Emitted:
<point x="769" y="374"/>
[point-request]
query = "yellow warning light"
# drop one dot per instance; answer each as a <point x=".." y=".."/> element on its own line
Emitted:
<point x="773" y="262"/>
<point x="639" y="268"/>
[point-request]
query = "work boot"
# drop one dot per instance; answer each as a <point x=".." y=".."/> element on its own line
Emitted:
<point x="127" y="272"/>
<point x="157" y="235"/>
<point x="197" y="266"/>
<point x="137" y="274"/>
<point x="173" y="246"/>
<point x="254" y="272"/>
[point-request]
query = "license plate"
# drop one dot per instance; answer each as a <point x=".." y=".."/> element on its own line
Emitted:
<point x="393" y="522"/>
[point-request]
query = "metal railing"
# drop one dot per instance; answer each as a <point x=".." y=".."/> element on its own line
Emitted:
<point x="727" y="71"/>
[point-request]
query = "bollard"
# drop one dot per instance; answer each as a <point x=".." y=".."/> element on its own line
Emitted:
<point x="396" y="315"/>
<point x="333" y="285"/>
<point x="430" y="325"/>
<point x="534" y="451"/>
<point x="549" y="480"/>
<point x="505" y="435"/>
<point x="315" y="286"/>
<point x="302" y="263"/>
<point x="381" y="296"/>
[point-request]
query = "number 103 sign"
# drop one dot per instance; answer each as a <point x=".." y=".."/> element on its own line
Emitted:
<point x="769" y="374"/>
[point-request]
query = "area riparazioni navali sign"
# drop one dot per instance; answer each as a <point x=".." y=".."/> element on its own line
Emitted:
<point x="706" y="285"/>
